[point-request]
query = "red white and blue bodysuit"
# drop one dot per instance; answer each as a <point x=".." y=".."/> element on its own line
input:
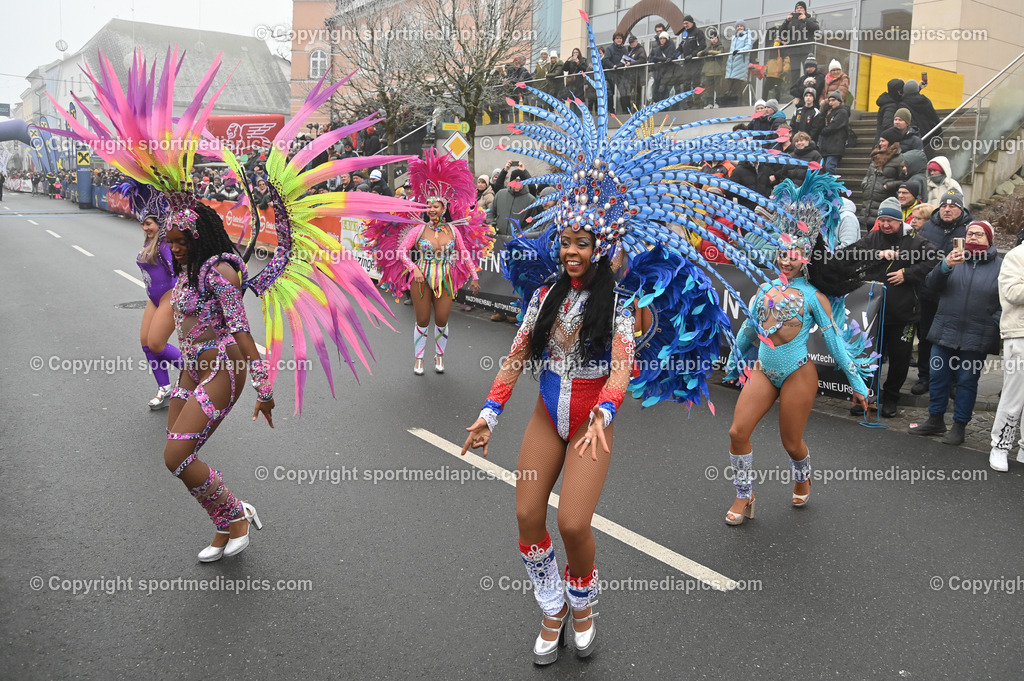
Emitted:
<point x="569" y="388"/>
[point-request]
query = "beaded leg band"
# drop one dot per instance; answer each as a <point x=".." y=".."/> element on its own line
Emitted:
<point x="542" y="566"/>
<point x="217" y="500"/>
<point x="582" y="591"/>
<point x="801" y="469"/>
<point x="743" y="466"/>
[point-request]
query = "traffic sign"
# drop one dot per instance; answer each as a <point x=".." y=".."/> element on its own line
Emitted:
<point x="457" y="145"/>
<point x="462" y="127"/>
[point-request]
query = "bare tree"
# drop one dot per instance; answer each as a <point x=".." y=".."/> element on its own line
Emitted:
<point x="463" y="44"/>
<point x="378" y="41"/>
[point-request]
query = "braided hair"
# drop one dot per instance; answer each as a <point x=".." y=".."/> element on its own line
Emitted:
<point x="212" y="240"/>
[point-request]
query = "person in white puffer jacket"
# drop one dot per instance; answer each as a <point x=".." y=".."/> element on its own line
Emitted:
<point x="940" y="180"/>
<point x="1011" y="328"/>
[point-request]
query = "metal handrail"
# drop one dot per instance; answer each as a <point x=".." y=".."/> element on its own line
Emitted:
<point x="969" y="99"/>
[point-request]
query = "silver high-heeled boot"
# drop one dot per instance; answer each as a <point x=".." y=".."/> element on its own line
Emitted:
<point x="582" y="594"/>
<point x="542" y="566"/>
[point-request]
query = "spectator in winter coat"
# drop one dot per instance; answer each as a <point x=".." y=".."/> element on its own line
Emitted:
<point x="635" y="76"/>
<point x="613" y="64"/>
<point x="965" y="329"/>
<point x="805" y="150"/>
<point x="910" y="138"/>
<point x="914" y="164"/>
<point x="887" y="103"/>
<point x="810" y="78"/>
<point x="947" y="223"/>
<point x="1011" y="329"/>
<point x="573" y="66"/>
<point x="776" y="71"/>
<point x="921" y="214"/>
<point x="920" y="108"/>
<point x="940" y="180"/>
<point x="837" y="80"/>
<point x="484" y="193"/>
<point x="714" y="69"/>
<point x="660" y="30"/>
<point x="907" y="197"/>
<point x="883" y="177"/>
<point x="378" y="185"/>
<point x="900" y="260"/>
<point x="770" y="119"/>
<point x="736" y="65"/>
<point x="849" y="226"/>
<point x="506" y="213"/>
<point x="808" y="117"/>
<point x="832" y="140"/>
<point x="661" y="57"/>
<point x="554" y="81"/>
<point x="799" y="27"/>
<point x="691" y="42"/>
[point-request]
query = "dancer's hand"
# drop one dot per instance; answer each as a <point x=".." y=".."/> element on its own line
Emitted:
<point x="593" y="436"/>
<point x="859" y="399"/>
<point x="264" y="408"/>
<point x="417" y="276"/>
<point x="474" y="287"/>
<point x="479" y="436"/>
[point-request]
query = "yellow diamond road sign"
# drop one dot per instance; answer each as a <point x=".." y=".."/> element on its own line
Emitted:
<point x="457" y="145"/>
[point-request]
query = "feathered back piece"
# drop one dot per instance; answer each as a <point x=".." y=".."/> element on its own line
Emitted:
<point x="444" y="179"/>
<point x="312" y="281"/>
<point x="145" y="141"/>
<point x="811" y="209"/>
<point x="627" y="187"/>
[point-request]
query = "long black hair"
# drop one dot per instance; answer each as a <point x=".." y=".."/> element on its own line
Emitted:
<point x="595" y="335"/>
<point x="212" y="240"/>
<point x="834" y="274"/>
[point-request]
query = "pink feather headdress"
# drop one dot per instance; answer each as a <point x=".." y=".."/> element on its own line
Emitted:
<point x="444" y="179"/>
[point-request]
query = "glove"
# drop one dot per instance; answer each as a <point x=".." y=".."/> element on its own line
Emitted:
<point x="735" y="51"/>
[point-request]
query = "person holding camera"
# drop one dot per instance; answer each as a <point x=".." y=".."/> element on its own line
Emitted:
<point x="799" y="27"/>
<point x="965" y="329"/>
<point x="691" y="43"/>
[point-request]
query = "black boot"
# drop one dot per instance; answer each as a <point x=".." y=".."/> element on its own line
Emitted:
<point x="889" y="407"/>
<point x="935" y="425"/>
<point x="955" y="436"/>
<point x="920" y="388"/>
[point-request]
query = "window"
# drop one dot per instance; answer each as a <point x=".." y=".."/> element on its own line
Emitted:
<point x="317" y="63"/>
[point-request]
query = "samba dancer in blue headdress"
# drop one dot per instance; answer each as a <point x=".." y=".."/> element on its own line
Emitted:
<point x="620" y="263"/>
<point x="773" y="363"/>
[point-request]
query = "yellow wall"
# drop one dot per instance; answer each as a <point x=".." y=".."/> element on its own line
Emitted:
<point x="945" y="88"/>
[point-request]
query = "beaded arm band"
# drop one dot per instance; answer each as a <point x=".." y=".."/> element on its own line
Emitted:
<point x="260" y="371"/>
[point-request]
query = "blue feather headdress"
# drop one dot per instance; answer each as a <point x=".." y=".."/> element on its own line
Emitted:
<point x="637" y="189"/>
<point x="810" y="210"/>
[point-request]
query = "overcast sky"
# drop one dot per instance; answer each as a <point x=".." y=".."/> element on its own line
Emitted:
<point x="31" y="28"/>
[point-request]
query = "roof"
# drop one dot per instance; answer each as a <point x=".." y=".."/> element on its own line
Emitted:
<point x="257" y="84"/>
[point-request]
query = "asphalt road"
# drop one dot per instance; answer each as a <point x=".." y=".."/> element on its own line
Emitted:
<point x="363" y="572"/>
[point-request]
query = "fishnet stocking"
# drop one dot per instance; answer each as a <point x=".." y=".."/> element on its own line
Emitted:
<point x="542" y="456"/>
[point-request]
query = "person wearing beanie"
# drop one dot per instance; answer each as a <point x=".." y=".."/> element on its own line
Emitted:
<point x="811" y="77"/>
<point x="832" y="140"/>
<point x="554" y="81"/>
<point x="762" y="116"/>
<point x="799" y="27"/>
<point x="808" y="117"/>
<point x="900" y="260"/>
<point x="887" y="104"/>
<point x="1011" y="329"/>
<point x="964" y="330"/>
<point x="948" y="222"/>
<point x="910" y="136"/>
<point x="907" y="195"/>
<point x="921" y="109"/>
<point x="484" y="193"/>
<point x="691" y="42"/>
<point x="882" y="179"/>
<point x="940" y="180"/>
<point x="836" y="80"/>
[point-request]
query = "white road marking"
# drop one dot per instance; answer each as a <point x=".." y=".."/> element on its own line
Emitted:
<point x="7" y="207"/>
<point x="132" y="279"/>
<point x="611" y="528"/>
<point x="82" y="250"/>
<point x="54" y="234"/>
<point x="33" y="222"/>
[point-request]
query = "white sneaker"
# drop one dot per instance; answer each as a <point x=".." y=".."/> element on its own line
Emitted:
<point x="997" y="460"/>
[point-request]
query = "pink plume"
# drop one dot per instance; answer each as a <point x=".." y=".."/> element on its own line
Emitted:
<point x="586" y="17"/>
